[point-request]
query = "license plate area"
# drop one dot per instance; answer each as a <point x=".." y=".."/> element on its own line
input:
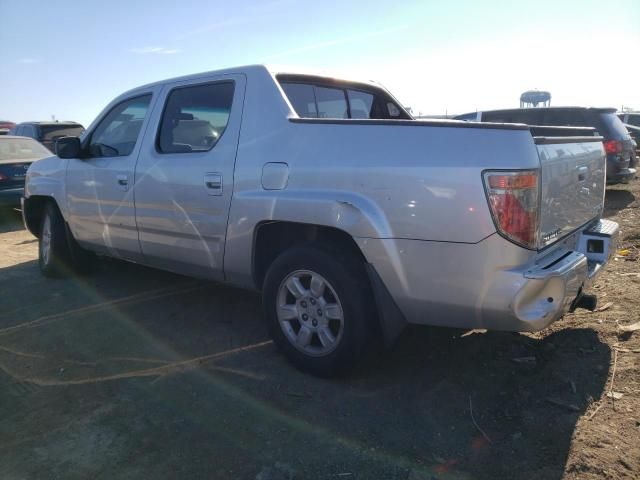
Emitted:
<point x="599" y="241"/>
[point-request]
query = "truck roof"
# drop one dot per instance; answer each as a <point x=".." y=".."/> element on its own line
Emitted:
<point x="597" y="109"/>
<point x="49" y="123"/>
<point x="249" y="69"/>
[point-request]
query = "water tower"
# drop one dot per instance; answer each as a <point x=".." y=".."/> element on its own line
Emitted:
<point x="535" y="98"/>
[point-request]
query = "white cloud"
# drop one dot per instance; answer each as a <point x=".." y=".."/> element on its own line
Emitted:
<point x="156" y="50"/>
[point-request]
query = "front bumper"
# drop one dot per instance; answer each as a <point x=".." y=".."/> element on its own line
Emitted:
<point x="492" y="284"/>
<point x="11" y="196"/>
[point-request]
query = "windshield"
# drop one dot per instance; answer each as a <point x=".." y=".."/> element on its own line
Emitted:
<point x="21" y="149"/>
<point x="51" y="132"/>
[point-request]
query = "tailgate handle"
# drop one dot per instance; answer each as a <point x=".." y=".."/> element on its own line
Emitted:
<point x="582" y="173"/>
<point x="213" y="182"/>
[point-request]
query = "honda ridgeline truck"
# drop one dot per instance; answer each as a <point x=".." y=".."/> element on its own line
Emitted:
<point x="352" y="218"/>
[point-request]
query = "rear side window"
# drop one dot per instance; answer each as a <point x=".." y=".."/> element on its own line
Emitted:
<point x="302" y="98"/>
<point x="566" y="118"/>
<point x="361" y="104"/>
<point x="29" y="131"/>
<point x="320" y="101"/>
<point x="195" y="117"/>
<point x="528" y="117"/>
<point x="332" y="103"/>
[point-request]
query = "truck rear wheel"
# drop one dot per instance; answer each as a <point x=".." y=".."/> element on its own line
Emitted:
<point x="316" y="306"/>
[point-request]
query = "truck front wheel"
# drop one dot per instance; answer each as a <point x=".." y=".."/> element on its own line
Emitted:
<point x="58" y="252"/>
<point x="53" y="252"/>
<point x="316" y="305"/>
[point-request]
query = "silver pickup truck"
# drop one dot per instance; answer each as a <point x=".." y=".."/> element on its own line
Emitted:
<point x="352" y="218"/>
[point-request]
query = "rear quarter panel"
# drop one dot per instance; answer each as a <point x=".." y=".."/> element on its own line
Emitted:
<point x="378" y="181"/>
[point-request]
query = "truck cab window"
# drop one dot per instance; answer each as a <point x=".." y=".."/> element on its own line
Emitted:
<point x="195" y="117"/>
<point x="302" y="99"/>
<point x="117" y="133"/>
<point x="361" y="104"/>
<point x="332" y="103"/>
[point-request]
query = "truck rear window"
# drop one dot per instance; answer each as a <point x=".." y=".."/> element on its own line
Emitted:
<point x="323" y="101"/>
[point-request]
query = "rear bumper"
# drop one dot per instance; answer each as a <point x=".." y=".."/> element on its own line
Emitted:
<point x="492" y="284"/>
<point x="11" y="197"/>
<point x="618" y="170"/>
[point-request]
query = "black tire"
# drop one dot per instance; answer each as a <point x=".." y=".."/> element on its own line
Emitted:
<point x="65" y="255"/>
<point x="53" y="251"/>
<point x="345" y="276"/>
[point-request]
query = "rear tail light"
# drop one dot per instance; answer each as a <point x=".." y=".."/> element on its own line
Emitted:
<point x="3" y="177"/>
<point x="513" y="200"/>
<point x="612" y="146"/>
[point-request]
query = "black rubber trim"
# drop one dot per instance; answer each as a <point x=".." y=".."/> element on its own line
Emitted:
<point x="412" y="123"/>
<point x="391" y="319"/>
<point x="562" y="131"/>
<point x="552" y="140"/>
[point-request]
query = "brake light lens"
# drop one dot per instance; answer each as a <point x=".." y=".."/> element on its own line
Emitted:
<point x="612" y="146"/>
<point x="513" y="201"/>
<point x="3" y="177"/>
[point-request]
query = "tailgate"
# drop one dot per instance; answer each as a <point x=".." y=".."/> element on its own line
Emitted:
<point x="573" y="171"/>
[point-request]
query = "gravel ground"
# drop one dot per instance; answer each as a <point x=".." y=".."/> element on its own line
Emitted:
<point x="135" y="373"/>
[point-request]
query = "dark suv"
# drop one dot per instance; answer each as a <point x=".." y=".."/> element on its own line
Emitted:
<point x="618" y="144"/>
<point x="47" y="132"/>
<point x="631" y="120"/>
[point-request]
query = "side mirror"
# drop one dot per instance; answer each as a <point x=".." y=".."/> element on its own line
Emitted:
<point x="68" y="147"/>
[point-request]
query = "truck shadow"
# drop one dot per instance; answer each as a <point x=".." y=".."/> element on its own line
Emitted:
<point x="492" y="405"/>
<point x="10" y="220"/>
<point x="616" y="200"/>
<point x="526" y="395"/>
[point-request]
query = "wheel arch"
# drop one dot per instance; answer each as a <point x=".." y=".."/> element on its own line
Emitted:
<point x="33" y="210"/>
<point x="271" y="238"/>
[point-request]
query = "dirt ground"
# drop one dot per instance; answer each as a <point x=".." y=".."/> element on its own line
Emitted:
<point x="133" y="373"/>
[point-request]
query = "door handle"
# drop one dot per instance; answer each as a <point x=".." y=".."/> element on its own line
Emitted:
<point x="123" y="181"/>
<point x="213" y="182"/>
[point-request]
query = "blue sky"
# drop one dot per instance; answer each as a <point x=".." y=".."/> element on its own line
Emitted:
<point x="70" y="58"/>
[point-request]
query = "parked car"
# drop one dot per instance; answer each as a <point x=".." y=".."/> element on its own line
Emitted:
<point x="5" y="127"/>
<point x="630" y="118"/>
<point x="48" y="132"/>
<point x="635" y="134"/>
<point x="16" y="155"/>
<point x="352" y="218"/>
<point x="620" y="148"/>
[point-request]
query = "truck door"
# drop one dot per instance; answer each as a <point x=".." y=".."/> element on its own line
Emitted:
<point x="99" y="186"/>
<point x="184" y="176"/>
